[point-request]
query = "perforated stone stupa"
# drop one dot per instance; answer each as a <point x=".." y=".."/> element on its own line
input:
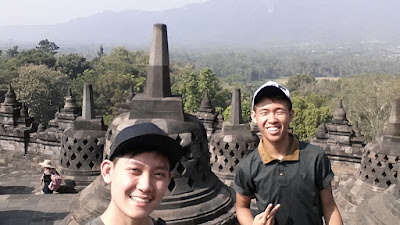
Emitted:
<point x="342" y="142"/>
<point x="235" y="141"/>
<point x="64" y="118"/>
<point x="15" y="123"/>
<point x="195" y="195"/>
<point x="82" y="146"/>
<point x="207" y="115"/>
<point x="379" y="170"/>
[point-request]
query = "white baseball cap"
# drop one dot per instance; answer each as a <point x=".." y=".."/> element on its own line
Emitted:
<point x="270" y="88"/>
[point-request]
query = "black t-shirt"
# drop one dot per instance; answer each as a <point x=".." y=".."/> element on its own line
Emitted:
<point x="296" y="185"/>
<point x="98" y="221"/>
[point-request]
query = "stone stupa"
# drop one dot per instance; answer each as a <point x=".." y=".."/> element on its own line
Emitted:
<point x="195" y="195"/>
<point x="235" y="141"/>
<point x="372" y="197"/>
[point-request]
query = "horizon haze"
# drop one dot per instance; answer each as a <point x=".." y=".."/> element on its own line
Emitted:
<point x="225" y="23"/>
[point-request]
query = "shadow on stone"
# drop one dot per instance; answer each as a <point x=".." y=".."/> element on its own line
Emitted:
<point x="67" y="190"/>
<point x="29" y="217"/>
<point x="16" y="190"/>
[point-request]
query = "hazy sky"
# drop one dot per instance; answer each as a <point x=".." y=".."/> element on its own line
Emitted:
<point x="35" y="12"/>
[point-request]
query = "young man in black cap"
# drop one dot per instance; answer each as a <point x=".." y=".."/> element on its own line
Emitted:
<point x="291" y="180"/>
<point x="139" y="171"/>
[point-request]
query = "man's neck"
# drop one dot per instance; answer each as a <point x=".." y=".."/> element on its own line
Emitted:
<point x="277" y="149"/>
<point x="114" y="217"/>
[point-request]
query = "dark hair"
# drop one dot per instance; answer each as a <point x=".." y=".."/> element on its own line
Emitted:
<point x="273" y="95"/>
<point x="126" y="152"/>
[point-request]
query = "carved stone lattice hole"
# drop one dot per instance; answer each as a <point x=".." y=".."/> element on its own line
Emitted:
<point x="190" y="182"/>
<point x="79" y="165"/>
<point x="85" y="157"/>
<point x="171" y="185"/>
<point x="226" y="146"/>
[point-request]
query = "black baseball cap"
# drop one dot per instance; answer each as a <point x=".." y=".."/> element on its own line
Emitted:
<point x="146" y="136"/>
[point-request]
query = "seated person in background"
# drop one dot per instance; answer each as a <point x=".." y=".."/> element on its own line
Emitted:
<point x="50" y="179"/>
<point x="139" y="171"/>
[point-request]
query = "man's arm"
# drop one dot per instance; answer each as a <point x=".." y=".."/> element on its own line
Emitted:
<point x="330" y="210"/>
<point x="245" y="217"/>
<point x="243" y="213"/>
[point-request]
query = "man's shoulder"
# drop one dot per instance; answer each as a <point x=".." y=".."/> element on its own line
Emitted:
<point x="250" y="158"/>
<point x="310" y="148"/>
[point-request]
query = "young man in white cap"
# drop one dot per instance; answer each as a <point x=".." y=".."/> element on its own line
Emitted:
<point x="139" y="171"/>
<point x="290" y="179"/>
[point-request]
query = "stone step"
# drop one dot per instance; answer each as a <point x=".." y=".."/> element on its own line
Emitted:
<point x="28" y="162"/>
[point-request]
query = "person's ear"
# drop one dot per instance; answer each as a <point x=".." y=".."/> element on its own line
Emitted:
<point x="170" y="176"/>
<point x="253" y="116"/>
<point x="106" y="169"/>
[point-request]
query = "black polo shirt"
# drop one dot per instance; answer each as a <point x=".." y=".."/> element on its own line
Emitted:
<point x="294" y="182"/>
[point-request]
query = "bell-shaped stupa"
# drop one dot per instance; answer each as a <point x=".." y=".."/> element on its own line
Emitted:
<point x="195" y="195"/>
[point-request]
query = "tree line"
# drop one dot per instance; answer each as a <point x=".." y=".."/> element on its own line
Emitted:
<point x="276" y="62"/>
<point x="42" y="77"/>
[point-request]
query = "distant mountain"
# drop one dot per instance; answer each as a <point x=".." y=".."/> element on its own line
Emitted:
<point x="230" y="23"/>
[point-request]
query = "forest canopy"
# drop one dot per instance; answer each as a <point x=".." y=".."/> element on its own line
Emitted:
<point x="366" y="80"/>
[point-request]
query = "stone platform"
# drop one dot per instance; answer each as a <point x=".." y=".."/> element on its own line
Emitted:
<point x="20" y="205"/>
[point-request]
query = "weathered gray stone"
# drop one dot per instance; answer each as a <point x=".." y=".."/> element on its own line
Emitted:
<point x="235" y="141"/>
<point x="158" y="81"/>
<point x="207" y="115"/>
<point x="373" y="193"/>
<point x="88" y="103"/>
<point x="82" y="147"/>
<point x="195" y="195"/>
<point x="343" y="144"/>
<point x="236" y="109"/>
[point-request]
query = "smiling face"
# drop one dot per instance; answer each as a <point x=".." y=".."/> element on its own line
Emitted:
<point x="272" y="117"/>
<point x="138" y="184"/>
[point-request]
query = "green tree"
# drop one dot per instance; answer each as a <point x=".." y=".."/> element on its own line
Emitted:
<point x="47" y="47"/>
<point x="12" y="52"/>
<point x="246" y="115"/>
<point x="42" y="89"/>
<point x="35" y="56"/>
<point x="208" y="81"/>
<point x="192" y="85"/>
<point x="307" y="117"/>
<point x="72" y="65"/>
<point x="177" y="76"/>
<point x="8" y="71"/>
<point x="121" y="60"/>
<point x="296" y="82"/>
<point x="190" y="93"/>
<point x="367" y="99"/>
<point x="112" y="76"/>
